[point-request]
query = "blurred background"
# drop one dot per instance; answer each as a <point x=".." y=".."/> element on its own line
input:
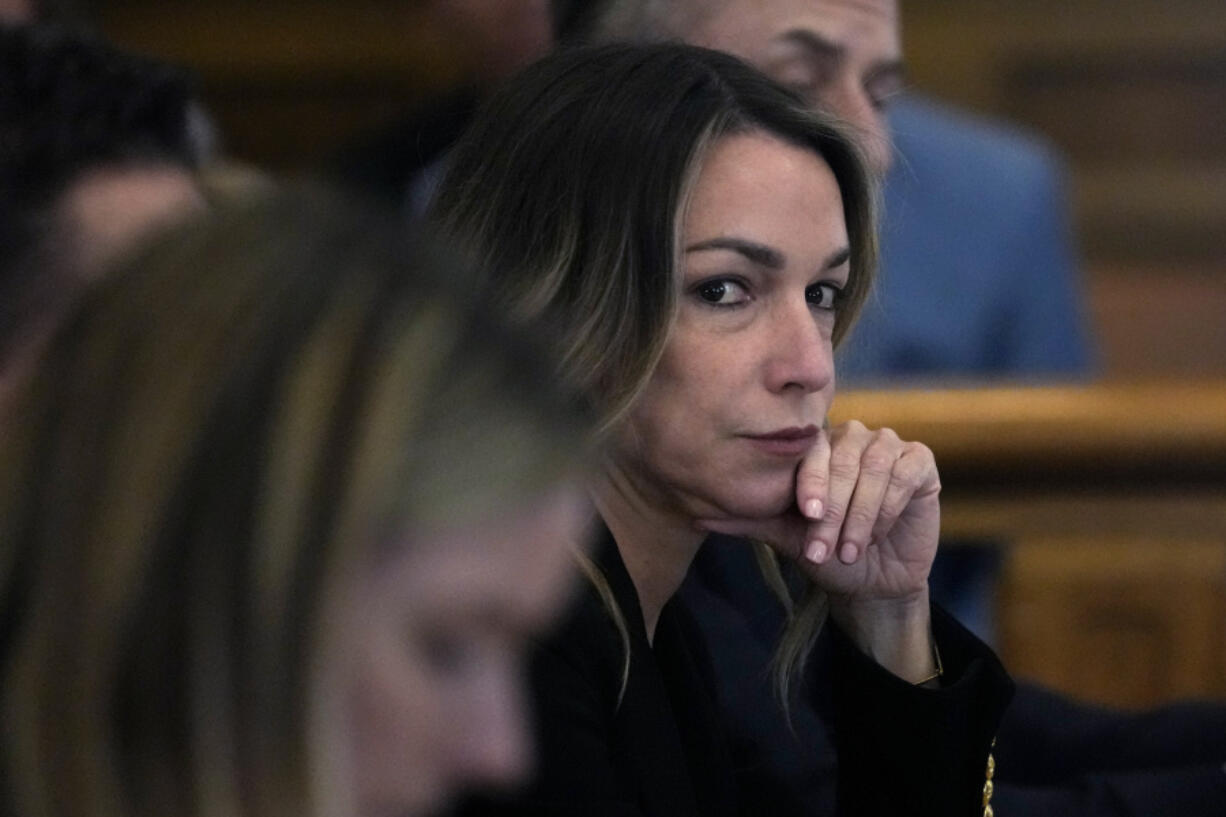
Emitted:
<point x="1108" y="500"/>
<point x="1132" y="91"/>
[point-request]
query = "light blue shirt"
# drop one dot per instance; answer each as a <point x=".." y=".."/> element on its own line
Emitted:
<point x="978" y="278"/>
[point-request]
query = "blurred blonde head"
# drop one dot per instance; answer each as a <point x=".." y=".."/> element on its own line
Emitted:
<point x="268" y="401"/>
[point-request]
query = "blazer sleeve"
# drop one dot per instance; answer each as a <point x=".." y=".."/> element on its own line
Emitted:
<point x="909" y="750"/>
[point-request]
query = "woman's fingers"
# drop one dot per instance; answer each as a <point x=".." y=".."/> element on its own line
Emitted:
<point x="847" y="445"/>
<point x="914" y="475"/>
<point x="812" y="478"/>
<point x="877" y="469"/>
<point x="851" y="490"/>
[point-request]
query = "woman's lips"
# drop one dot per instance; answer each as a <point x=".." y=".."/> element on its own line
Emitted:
<point x="786" y="442"/>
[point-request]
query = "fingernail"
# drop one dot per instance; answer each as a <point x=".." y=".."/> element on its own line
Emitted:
<point x="816" y="551"/>
<point x="813" y="509"/>
<point x="849" y="553"/>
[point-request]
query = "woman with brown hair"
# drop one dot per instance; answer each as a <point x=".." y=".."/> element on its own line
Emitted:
<point x="698" y="241"/>
<point x="278" y="509"/>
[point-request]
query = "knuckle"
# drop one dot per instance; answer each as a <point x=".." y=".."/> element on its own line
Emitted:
<point x="877" y="462"/>
<point x="835" y="511"/>
<point x="844" y="466"/>
<point x="888" y="435"/>
<point x="861" y="517"/>
<point x="908" y="474"/>
<point x="852" y="429"/>
<point x="895" y="502"/>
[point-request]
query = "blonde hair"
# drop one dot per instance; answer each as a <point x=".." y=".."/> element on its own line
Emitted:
<point x="213" y="435"/>
<point x="572" y="183"/>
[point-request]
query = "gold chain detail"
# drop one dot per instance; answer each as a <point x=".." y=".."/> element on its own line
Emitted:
<point x="988" y="787"/>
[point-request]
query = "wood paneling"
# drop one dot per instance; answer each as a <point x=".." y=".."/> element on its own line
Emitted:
<point x="288" y="83"/>
<point x="1134" y="93"/>
<point x="1153" y="322"/>
<point x="1128" y="621"/>
<point x="1111" y="502"/>
<point x="1167" y="430"/>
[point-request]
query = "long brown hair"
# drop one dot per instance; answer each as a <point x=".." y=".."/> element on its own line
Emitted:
<point x="573" y="181"/>
<point x="572" y="185"/>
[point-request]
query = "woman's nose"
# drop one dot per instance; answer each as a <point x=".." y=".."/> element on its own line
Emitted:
<point x="800" y="356"/>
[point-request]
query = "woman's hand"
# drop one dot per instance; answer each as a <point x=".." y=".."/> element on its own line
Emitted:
<point x="865" y="530"/>
<point x="873" y="512"/>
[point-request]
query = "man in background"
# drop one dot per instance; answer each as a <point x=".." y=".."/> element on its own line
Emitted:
<point x="978" y="278"/>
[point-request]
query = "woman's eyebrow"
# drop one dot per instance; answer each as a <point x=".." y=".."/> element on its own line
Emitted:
<point x="759" y="254"/>
<point x="838" y="258"/>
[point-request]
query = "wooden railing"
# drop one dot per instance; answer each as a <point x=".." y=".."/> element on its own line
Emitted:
<point x="1110" y="501"/>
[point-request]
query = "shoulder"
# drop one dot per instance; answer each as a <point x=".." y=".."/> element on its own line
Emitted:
<point x="933" y="138"/>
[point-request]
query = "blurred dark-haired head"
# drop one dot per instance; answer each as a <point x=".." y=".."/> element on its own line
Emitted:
<point x="96" y="149"/>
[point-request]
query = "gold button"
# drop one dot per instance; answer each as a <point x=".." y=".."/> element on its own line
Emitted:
<point x="987" y="811"/>
<point x="991" y="767"/>
<point x="987" y="792"/>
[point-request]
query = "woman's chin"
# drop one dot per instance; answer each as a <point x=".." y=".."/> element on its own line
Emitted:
<point x="758" y="500"/>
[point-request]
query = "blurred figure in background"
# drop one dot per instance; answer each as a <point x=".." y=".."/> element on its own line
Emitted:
<point x="401" y="164"/>
<point x="278" y="511"/>
<point x="17" y="11"/>
<point x="96" y="152"/>
<point x="979" y="276"/>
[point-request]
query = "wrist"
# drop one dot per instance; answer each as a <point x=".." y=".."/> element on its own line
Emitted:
<point x="896" y="633"/>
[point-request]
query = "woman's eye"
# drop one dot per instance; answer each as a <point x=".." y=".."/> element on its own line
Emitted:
<point x="722" y="292"/>
<point x="823" y="296"/>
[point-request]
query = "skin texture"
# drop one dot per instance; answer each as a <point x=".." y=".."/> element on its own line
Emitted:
<point x="759" y="361"/>
<point x="109" y="210"/>
<point x="16" y="11"/>
<point x="750" y="354"/>
<point x="101" y="216"/>
<point x="846" y="56"/>
<point x="843" y="55"/>
<point x="420" y="679"/>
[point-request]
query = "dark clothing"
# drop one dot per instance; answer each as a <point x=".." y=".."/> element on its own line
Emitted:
<point x="662" y="750"/>
<point x="1113" y="764"/>
<point x="1059" y="757"/>
<point x="1054" y="756"/>
<point x="384" y="165"/>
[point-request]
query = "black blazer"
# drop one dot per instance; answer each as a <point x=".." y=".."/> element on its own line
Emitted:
<point x="1054" y="757"/>
<point x="658" y="748"/>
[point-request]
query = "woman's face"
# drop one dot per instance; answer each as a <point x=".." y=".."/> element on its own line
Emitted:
<point x="422" y="671"/>
<point x="747" y="376"/>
